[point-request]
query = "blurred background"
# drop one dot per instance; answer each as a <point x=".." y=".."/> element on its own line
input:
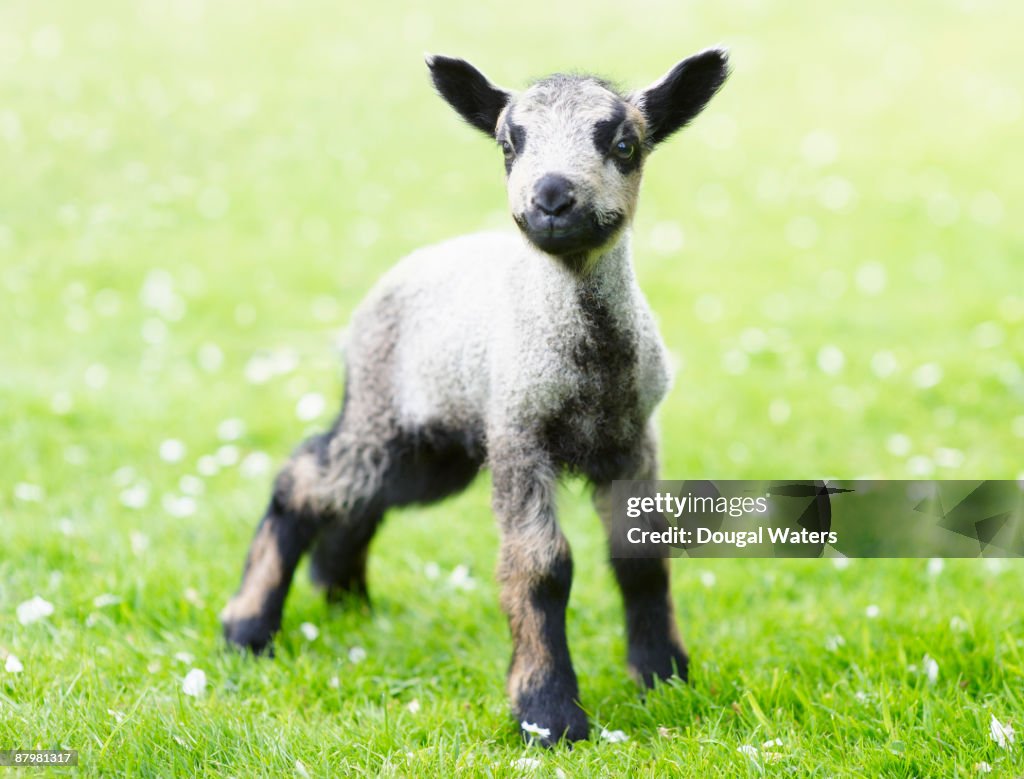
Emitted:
<point x="194" y="195"/>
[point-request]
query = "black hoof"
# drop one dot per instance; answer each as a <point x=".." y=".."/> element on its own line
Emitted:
<point x="658" y="662"/>
<point x="344" y="584"/>
<point x="546" y="722"/>
<point x="254" y="635"/>
<point x="353" y="595"/>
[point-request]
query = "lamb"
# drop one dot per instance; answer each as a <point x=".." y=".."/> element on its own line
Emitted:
<point x="533" y="354"/>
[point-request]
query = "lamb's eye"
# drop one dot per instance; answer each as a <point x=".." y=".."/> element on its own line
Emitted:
<point x="624" y="150"/>
<point x="507" y="149"/>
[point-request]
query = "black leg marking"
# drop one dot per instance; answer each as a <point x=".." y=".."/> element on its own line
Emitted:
<point x="541" y="679"/>
<point x="655" y="650"/>
<point x="536" y="576"/>
<point x="339" y="558"/>
<point x="253" y="616"/>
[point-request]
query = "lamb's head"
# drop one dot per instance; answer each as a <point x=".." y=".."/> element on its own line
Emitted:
<point x="574" y="146"/>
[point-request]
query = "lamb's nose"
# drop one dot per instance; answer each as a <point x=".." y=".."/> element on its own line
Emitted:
<point x="553" y="195"/>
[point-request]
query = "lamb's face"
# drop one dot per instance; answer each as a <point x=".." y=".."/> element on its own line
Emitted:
<point x="574" y="152"/>
<point x="573" y="147"/>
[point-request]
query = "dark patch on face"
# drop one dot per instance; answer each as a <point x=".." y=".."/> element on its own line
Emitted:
<point x="604" y="131"/>
<point x="606" y="400"/>
<point x="517" y="135"/>
<point x="604" y="136"/>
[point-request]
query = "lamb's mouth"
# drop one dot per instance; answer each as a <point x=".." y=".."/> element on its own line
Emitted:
<point x="572" y="234"/>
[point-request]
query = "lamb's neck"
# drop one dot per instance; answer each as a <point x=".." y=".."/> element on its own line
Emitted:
<point x="610" y="274"/>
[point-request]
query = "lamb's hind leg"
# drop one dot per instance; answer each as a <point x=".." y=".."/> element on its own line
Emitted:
<point x="331" y="478"/>
<point x="422" y="466"/>
<point x="339" y="558"/>
<point x="655" y="650"/>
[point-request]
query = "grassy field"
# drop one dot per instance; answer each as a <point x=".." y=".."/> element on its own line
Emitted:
<point x="195" y="195"/>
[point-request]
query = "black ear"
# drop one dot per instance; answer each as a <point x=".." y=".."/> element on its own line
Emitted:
<point x="468" y="91"/>
<point x="671" y="102"/>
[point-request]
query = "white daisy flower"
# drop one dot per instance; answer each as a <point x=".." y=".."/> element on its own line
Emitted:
<point x="194" y="683"/>
<point x="135" y="497"/>
<point x="535" y="730"/>
<point x="356" y="654"/>
<point x="29" y="493"/>
<point x="1003" y="735"/>
<point x="460" y="578"/>
<point x="310" y="406"/>
<point x="832" y="643"/>
<point x="34" y="610"/>
<point x="255" y="465"/>
<point x="230" y="429"/>
<point x="172" y="450"/>
<point x="613" y="736"/>
<point x="748" y="750"/>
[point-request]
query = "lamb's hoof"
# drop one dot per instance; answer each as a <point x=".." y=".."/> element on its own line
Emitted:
<point x="353" y="595"/>
<point x="344" y="586"/>
<point x="254" y="634"/>
<point x="658" y="662"/>
<point x="250" y="635"/>
<point x="547" y="722"/>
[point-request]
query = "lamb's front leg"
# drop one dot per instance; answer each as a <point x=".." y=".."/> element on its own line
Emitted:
<point x="535" y="572"/>
<point x="655" y="650"/>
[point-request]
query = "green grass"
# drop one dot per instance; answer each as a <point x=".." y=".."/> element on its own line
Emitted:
<point x="185" y="194"/>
